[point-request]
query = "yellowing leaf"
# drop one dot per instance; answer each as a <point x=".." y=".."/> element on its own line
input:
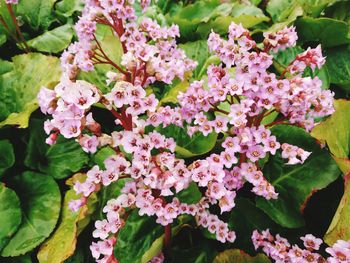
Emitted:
<point x="239" y="256"/>
<point x="339" y="228"/>
<point x="335" y="132"/>
<point x="61" y="245"/>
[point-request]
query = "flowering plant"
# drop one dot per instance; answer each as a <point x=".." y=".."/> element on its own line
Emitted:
<point x="195" y="156"/>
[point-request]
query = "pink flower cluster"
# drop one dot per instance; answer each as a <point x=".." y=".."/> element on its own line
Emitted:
<point x="68" y="104"/>
<point x="281" y="251"/>
<point x="233" y="102"/>
<point x="150" y="51"/>
<point x="13" y="2"/>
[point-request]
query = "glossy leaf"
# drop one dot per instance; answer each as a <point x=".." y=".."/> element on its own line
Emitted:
<point x="37" y="13"/>
<point x="197" y="51"/>
<point x="335" y="131"/>
<point x="53" y="41"/>
<point x="190" y="195"/>
<point x="329" y="32"/>
<point x="64" y="158"/>
<point x="19" y="87"/>
<point x="339" y="227"/>
<point x="68" y="7"/>
<point x="338" y="66"/>
<point x="10" y="214"/>
<point x="187" y="146"/>
<point x="7" y="157"/>
<point x="101" y="155"/>
<point x="40" y="201"/>
<point x="62" y="243"/>
<point x="339" y="11"/>
<point x="239" y="256"/>
<point x="139" y="231"/>
<point x="171" y="95"/>
<point x="295" y="183"/>
<point x="244" y="218"/>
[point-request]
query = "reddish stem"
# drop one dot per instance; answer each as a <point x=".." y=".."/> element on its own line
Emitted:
<point x="14" y="19"/>
<point x="167" y="240"/>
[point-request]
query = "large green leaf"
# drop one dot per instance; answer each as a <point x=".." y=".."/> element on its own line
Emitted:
<point x="280" y="10"/>
<point x="19" y="87"/>
<point x="338" y="66"/>
<point x="282" y="59"/>
<point x="64" y="158"/>
<point x="335" y="132"/>
<point x="198" y="51"/>
<point x="37" y="13"/>
<point x="136" y="237"/>
<point x="68" y="7"/>
<point x="339" y="11"/>
<point x="60" y="160"/>
<point x="10" y="214"/>
<point x="40" y="202"/>
<point x="247" y="15"/>
<point x="7" y="157"/>
<point x="245" y="217"/>
<point x="239" y="256"/>
<point x="295" y="183"/>
<point x="190" y="195"/>
<point x="339" y="227"/>
<point x="53" y="41"/>
<point x="171" y="95"/>
<point x="200" y="250"/>
<point x="187" y="146"/>
<point x="111" y="45"/>
<point x="61" y="245"/>
<point x="327" y="31"/>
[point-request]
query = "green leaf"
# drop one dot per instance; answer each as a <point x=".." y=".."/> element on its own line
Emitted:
<point x="40" y="201"/>
<point x="335" y="131"/>
<point x="7" y="157"/>
<point x="197" y="51"/>
<point x="187" y="146"/>
<point x="62" y="243"/>
<point x="20" y="259"/>
<point x="68" y="7"/>
<point x="5" y="66"/>
<point x="282" y="59"/>
<point x="239" y="256"/>
<point x="112" y="47"/>
<point x="53" y="41"/>
<point x="279" y="10"/>
<point x="338" y="66"/>
<point x="190" y="195"/>
<point x="11" y="214"/>
<point x="109" y="192"/>
<point x="339" y="227"/>
<point x="19" y="87"/>
<point x="157" y="244"/>
<point x="295" y="183"/>
<point x="293" y="13"/>
<point x="203" y="250"/>
<point x="37" y="13"/>
<point x="101" y="155"/>
<point x="3" y="38"/>
<point x="329" y="32"/>
<point x="189" y="17"/>
<point x="339" y="11"/>
<point x="247" y="15"/>
<point x="139" y="231"/>
<point x="64" y="158"/>
<point x="60" y="160"/>
<point x="171" y="95"/>
<point x="245" y="217"/>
